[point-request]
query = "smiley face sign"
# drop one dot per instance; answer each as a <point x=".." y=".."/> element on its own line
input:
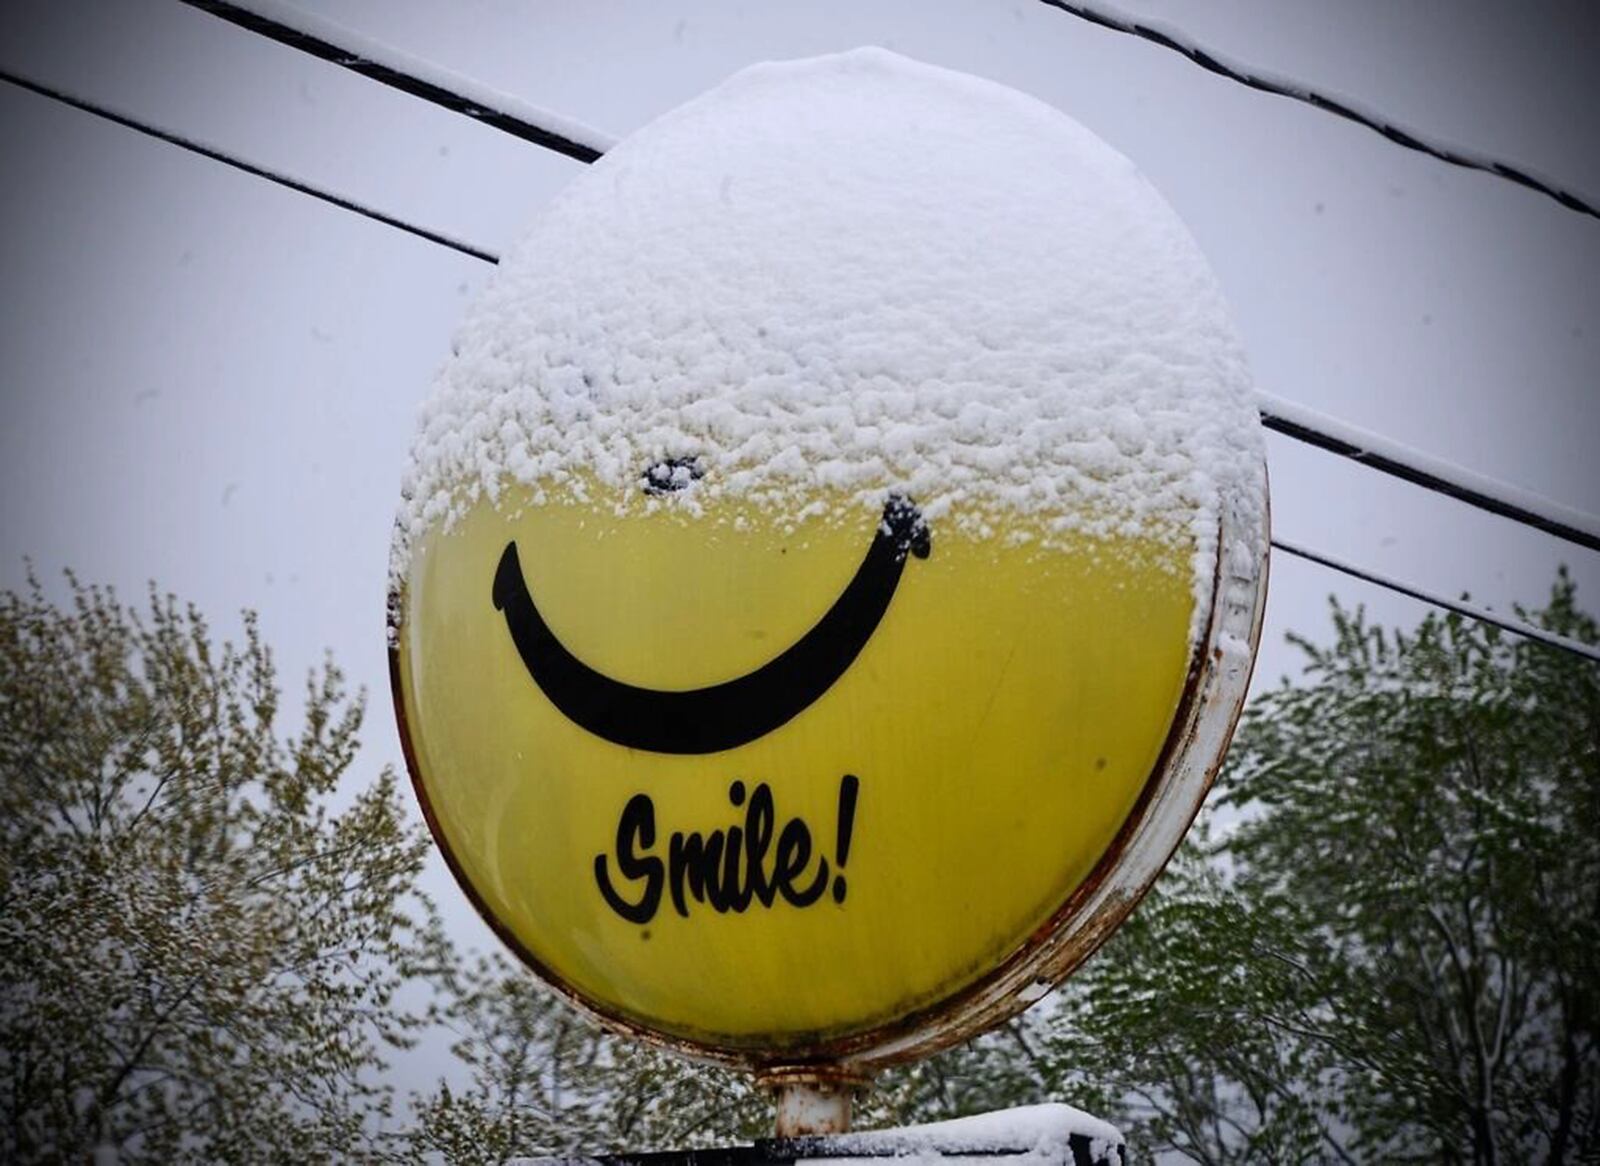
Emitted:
<point x="830" y="567"/>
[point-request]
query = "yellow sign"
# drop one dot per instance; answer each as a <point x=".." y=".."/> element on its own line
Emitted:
<point x="755" y="784"/>
<point x="812" y="629"/>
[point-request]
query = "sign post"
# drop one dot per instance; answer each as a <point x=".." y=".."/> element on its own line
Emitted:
<point x="830" y="571"/>
<point x="811" y="1102"/>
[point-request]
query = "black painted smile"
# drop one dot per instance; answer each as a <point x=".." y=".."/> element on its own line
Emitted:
<point x="726" y="715"/>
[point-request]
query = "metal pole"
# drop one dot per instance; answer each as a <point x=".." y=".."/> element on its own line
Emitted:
<point x="813" y="1100"/>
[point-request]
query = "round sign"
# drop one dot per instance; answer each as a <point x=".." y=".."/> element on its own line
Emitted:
<point x="831" y="565"/>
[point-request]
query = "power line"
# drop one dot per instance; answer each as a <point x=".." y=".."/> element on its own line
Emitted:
<point x="332" y="42"/>
<point x="349" y="49"/>
<point x="1460" y="607"/>
<point x="1411" y="140"/>
<point x="238" y="163"/>
<point x="1512" y="625"/>
<point x="1431" y="473"/>
<point x="387" y="65"/>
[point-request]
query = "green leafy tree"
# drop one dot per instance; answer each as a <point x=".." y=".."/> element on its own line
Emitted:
<point x="545" y="1080"/>
<point x="201" y="935"/>
<point x="1392" y="951"/>
<point x="542" y="1079"/>
<point x="997" y="1070"/>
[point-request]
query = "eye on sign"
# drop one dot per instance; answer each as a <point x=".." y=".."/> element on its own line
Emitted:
<point x="831" y="565"/>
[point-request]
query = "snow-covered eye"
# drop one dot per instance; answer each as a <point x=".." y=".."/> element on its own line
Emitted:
<point x="672" y="474"/>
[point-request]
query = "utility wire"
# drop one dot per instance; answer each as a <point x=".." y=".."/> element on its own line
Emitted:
<point x="1435" y="474"/>
<point x="1471" y="160"/>
<point x="349" y="49"/>
<point x="1517" y="627"/>
<point x="390" y="66"/>
<point x="238" y="163"/>
<point x="290" y="26"/>
<point x="1460" y="607"/>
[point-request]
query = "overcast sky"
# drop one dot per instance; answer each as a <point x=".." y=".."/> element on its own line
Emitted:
<point x="211" y="382"/>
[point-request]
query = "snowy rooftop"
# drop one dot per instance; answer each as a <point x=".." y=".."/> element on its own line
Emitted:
<point x="1029" y="1135"/>
<point x="848" y="275"/>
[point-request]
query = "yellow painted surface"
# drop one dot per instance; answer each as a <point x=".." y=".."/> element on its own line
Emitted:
<point x="1001" y="722"/>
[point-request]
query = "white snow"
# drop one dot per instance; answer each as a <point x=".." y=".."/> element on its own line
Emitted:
<point x="849" y="275"/>
<point x="1030" y="1133"/>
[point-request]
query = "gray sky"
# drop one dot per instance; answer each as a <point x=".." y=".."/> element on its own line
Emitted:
<point x="211" y="382"/>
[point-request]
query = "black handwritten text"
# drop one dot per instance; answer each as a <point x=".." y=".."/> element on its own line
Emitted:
<point x="728" y="869"/>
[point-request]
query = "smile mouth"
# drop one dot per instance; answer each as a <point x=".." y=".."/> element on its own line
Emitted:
<point x="734" y="712"/>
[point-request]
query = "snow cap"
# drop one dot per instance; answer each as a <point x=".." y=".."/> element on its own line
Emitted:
<point x="848" y="275"/>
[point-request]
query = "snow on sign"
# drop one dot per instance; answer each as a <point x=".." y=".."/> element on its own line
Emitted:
<point x="831" y="565"/>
